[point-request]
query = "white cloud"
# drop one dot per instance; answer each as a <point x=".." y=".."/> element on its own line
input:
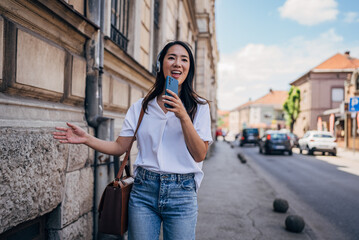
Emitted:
<point x="309" y="12"/>
<point x="350" y="17"/>
<point x="254" y="69"/>
<point x="331" y="35"/>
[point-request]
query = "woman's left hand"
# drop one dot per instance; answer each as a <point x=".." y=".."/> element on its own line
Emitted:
<point x="177" y="106"/>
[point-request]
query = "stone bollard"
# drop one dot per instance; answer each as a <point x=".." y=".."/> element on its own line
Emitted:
<point x="294" y="223"/>
<point x="280" y="205"/>
<point x="241" y="158"/>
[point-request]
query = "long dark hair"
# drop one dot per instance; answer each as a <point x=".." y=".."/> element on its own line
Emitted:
<point x="189" y="97"/>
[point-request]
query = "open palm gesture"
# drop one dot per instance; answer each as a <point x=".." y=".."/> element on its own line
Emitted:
<point x="73" y="134"/>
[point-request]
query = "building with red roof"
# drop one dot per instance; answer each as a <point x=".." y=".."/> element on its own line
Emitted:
<point x="323" y="95"/>
<point x="264" y="113"/>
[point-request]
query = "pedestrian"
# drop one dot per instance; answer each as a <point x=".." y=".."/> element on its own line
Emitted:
<point x="172" y="144"/>
<point x="218" y="133"/>
<point x="224" y="134"/>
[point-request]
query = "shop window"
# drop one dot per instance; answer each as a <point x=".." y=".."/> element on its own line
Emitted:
<point x="119" y="22"/>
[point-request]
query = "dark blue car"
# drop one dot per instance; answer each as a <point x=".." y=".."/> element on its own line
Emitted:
<point x="275" y="141"/>
<point x="249" y="135"/>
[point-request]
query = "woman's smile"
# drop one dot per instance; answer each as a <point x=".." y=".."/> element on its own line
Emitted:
<point x="176" y="63"/>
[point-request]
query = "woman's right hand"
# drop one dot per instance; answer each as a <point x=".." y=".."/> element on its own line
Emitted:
<point x="74" y="134"/>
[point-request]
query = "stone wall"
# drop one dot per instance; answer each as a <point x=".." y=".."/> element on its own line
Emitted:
<point x="31" y="181"/>
<point x="38" y="175"/>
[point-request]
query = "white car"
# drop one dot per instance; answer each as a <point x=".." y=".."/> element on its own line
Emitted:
<point x="318" y="141"/>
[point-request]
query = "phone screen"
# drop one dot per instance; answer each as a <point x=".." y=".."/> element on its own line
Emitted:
<point x="171" y="84"/>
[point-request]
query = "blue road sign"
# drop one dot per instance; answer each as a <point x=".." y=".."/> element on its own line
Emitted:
<point x="354" y="104"/>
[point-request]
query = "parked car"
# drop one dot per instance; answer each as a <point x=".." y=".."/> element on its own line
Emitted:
<point x="318" y="141"/>
<point x="293" y="139"/>
<point x="275" y="141"/>
<point x="249" y="135"/>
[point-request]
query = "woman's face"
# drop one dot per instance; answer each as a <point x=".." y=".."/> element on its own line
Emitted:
<point x="176" y="63"/>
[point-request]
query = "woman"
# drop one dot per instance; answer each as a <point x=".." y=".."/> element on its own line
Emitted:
<point x="172" y="144"/>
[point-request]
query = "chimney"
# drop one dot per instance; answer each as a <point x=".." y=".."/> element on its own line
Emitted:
<point x="271" y="90"/>
<point x="347" y="53"/>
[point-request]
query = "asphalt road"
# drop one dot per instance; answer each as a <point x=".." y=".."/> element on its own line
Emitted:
<point x="328" y="196"/>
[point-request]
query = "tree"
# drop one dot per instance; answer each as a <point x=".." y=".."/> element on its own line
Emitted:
<point x="292" y="106"/>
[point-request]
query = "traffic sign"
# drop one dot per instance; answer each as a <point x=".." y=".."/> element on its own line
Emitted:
<point x="354" y="104"/>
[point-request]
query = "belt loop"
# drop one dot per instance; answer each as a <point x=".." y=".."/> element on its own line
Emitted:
<point x="178" y="178"/>
<point x="143" y="174"/>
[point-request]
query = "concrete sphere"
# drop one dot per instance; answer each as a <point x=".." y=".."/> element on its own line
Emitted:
<point x="280" y="205"/>
<point x="294" y="223"/>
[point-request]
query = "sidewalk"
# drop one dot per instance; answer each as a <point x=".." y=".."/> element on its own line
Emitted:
<point x="346" y="160"/>
<point x="236" y="203"/>
<point x="348" y="154"/>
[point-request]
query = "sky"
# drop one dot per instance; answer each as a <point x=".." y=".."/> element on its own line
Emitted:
<point x="267" y="44"/>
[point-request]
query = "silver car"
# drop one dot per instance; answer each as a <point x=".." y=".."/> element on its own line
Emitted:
<point x="318" y="141"/>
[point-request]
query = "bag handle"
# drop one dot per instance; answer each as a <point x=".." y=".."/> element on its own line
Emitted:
<point x="124" y="162"/>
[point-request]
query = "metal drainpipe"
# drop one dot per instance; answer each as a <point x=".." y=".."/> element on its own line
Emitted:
<point x="195" y="61"/>
<point x="103" y="126"/>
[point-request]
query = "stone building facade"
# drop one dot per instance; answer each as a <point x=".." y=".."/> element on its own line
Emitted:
<point x="85" y="62"/>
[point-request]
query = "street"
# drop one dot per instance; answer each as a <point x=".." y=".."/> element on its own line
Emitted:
<point x="322" y="186"/>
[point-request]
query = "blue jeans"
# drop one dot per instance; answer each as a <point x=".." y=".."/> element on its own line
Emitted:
<point x="167" y="198"/>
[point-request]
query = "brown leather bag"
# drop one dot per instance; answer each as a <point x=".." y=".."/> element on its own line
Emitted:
<point x="113" y="207"/>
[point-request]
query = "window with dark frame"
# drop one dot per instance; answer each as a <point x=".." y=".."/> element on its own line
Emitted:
<point x="119" y="22"/>
<point x="156" y="13"/>
<point x="156" y="21"/>
<point x="357" y="83"/>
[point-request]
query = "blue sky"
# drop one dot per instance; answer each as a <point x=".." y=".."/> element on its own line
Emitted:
<point x="267" y="44"/>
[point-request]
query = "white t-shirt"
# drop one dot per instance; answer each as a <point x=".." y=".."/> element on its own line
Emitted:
<point x="161" y="142"/>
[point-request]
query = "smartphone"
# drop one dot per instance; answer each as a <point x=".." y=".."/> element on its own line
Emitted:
<point x="171" y="84"/>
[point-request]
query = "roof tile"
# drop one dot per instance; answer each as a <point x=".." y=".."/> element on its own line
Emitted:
<point x="273" y="97"/>
<point x="339" y="61"/>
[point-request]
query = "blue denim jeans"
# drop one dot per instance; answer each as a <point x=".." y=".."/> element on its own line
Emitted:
<point x="170" y="199"/>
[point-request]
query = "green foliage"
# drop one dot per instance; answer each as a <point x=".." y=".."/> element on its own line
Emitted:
<point x="220" y="122"/>
<point x="292" y="106"/>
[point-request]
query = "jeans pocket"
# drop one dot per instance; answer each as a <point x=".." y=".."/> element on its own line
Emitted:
<point x="138" y="180"/>
<point x="188" y="184"/>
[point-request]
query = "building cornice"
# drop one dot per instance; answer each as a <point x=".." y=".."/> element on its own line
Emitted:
<point x="347" y="70"/>
<point x="191" y="9"/>
<point x="302" y="79"/>
<point x="67" y="13"/>
<point x="129" y="63"/>
<point x="305" y="76"/>
<point x="53" y="20"/>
